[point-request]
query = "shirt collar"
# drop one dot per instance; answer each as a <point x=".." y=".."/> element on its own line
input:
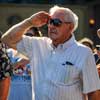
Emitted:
<point x="65" y="45"/>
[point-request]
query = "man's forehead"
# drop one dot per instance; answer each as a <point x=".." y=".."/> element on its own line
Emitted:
<point x="57" y="12"/>
<point x="59" y="15"/>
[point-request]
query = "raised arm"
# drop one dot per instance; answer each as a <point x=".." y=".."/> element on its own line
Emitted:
<point x="14" y="34"/>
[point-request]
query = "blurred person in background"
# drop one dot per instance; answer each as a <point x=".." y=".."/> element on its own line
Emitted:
<point x="97" y="57"/>
<point x="33" y="31"/>
<point x="6" y="70"/>
<point x="97" y="53"/>
<point x="21" y="87"/>
<point x="87" y="42"/>
<point x="62" y="68"/>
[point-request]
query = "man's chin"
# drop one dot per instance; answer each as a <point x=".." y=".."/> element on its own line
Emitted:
<point x="53" y="38"/>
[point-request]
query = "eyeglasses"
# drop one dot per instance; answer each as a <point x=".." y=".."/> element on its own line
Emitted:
<point x="56" y="22"/>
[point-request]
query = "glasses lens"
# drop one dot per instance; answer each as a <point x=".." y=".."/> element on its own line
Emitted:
<point x="55" y="22"/>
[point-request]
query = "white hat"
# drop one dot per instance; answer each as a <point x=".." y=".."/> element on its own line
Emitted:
<point x="86" y="40"/>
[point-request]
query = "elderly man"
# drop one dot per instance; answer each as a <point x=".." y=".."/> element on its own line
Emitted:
<point x="62" y="69"/>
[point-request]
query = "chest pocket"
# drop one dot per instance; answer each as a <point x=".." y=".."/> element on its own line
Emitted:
<point x="62" y="74"/>
<point x="67" y="73"/>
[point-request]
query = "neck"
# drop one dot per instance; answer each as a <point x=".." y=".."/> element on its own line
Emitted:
<point x="57" y="42"/>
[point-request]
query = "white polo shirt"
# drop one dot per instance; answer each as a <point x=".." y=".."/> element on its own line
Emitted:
<point x="63" y="73"/>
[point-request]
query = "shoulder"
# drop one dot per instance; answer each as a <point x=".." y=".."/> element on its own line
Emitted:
<point x="41" y="40"/>
<point x="84" y="50"/>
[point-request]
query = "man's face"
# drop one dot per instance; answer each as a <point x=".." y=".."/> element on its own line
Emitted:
<point x="59" y="30"/>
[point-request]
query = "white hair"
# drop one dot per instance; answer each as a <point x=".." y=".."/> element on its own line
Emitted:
<point x="70" y="16"/>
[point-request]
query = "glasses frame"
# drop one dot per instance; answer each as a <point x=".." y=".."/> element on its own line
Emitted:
<point x="56" y="22"/>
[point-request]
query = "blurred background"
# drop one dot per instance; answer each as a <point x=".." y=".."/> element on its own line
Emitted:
<point x="14" y="11"/>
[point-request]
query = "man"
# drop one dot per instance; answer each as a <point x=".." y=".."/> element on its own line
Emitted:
<point x="62" y="69"/>
<point x="5" y="71"/>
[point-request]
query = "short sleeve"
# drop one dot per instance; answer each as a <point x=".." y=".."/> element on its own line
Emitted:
<point x="25" y="46"/>
<point x="90" y="77"/>
<point x="31" y="46"/>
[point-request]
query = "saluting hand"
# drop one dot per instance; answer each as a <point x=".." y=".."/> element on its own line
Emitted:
<point x="39" y="19"/>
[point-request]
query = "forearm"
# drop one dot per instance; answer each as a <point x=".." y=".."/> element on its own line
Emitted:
<point x="4" y="88"/>
<point x="94" y="95"/>
<point x="14" y="34"/>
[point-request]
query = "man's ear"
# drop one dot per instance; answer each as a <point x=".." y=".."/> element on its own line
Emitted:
<point x="71" y="27"/>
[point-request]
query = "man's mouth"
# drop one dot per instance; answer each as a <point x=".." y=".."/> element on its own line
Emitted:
<point x="53" y="31"/>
